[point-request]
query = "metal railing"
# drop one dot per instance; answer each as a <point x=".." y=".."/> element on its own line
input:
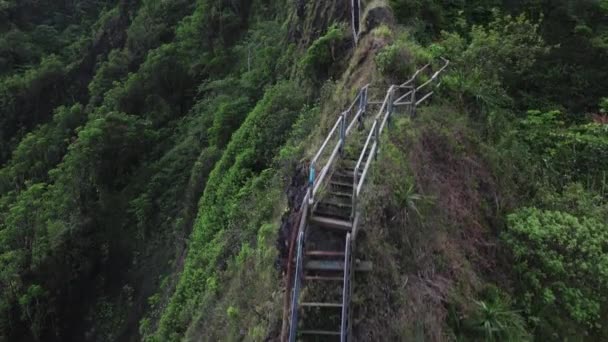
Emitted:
<point x="346" y="290"/>
<point x="397" y="95"/>
<point x="381" y="120"/>
<point x="296" y="286"/>
<point x="297" y="281"/>
<point x="343" y="126"/>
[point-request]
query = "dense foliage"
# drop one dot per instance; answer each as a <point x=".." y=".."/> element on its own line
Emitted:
<point x="145" y="147"/>
<point x="507" y="175"/>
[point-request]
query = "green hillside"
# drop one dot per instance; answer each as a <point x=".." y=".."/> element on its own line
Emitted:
<point x="154" y="155"/>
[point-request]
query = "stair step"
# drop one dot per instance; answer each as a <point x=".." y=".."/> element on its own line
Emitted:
<point x="324" y="254"/>
<point x="352" y="161"/>
<point x="333" y="211"/>
<point x="333" y="265"/>
<point x="342" y="202"/>
<point x="319" y="332"/>
<point x="342" y="184"/>
<point x="344" y="176"/>
<point x="333" y="214"/>
<point x="332" y="223"/>
<point x="321" y="305"/>
<point x="341" y="194"/>
<point x="323" y="278"/>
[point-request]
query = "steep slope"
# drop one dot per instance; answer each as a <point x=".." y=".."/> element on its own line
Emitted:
<point x="98" y="201"/>
<point x="154" y="156"/>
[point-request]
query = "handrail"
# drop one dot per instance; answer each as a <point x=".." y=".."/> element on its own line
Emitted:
<point x="409" y="93"/>
<point x="435" y="75"/>
<point x="415" y="75"/>
<point x="431" y="80"/>
<point x="358" y="165"/>
<point x="329" y="136"/>
<point x="380" y="122"/>
<point x="296" y="289"/>
<point x="324" y="172"/>
<point x="346" y="289"/>
<point x="373" y="138"/>
<point x="315" y="182"/>
<point x="362" y="99"/>
<point x="353" y="244"/>
<point x="299" y="251"/>
<point x="366" y="168"/>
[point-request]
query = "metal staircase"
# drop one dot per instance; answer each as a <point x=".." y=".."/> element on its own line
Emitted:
<point x="325" y="261"/>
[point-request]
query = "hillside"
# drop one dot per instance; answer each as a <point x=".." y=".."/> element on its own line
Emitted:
<point x="155" y="154"/>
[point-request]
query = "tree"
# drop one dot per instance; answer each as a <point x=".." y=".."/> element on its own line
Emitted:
<point x="562" y="265"/>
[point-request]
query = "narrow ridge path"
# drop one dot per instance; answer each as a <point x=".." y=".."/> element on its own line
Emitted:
<point x="325" y="261"/>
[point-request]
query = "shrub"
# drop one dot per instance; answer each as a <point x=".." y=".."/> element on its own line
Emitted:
<point x="493" y="319"/>
<point x="322" y="53"/>
<point x="562" y="264"/>
<point x="399" y="59"/>
<point x="489" y="64"/>
<point x="575" y="153"/>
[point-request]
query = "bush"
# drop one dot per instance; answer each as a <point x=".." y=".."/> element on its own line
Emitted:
<point x="491" y="62"/>
<point x="322" y="53"/>
<point x="577" y="153"/>
<point x="399" y="59"/>
<point x="493" y="319"/>
<point x="562" y="265"/>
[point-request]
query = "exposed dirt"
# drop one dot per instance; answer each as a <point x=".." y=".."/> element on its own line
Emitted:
<point x="430" y="260"/>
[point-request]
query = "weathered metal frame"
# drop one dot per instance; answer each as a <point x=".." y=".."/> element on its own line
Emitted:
<point x="343" y="126"/>
<point x="346" y="288"/>
<point x="360" y="102"/>
<point x="384" y="115"/>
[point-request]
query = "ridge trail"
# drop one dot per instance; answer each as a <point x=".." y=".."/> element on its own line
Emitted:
<point x="325" y="261"/>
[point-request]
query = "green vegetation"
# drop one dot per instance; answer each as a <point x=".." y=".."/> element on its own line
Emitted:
<point x="152" y="154"/>
<point x="504" y="181"/>
<point x="561" y="261"/>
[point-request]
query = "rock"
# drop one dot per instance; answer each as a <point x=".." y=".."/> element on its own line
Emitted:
<point x="377" y="16"/>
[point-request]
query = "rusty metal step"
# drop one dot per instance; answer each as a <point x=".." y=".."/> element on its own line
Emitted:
<point x="334" y="265"/>
<point x="349" y="164"/>
<point x="342" y="184"/>
<point x="344" y="216"/>
<point x="332" y="223"/>
<point x="340" y="194"/>
<point x="337" y="199"/>
<point x="323" y="278"/>
<point x="319" y="332"/>
<point x="334" y="212"/>
<point x="321" y="305"/>
<point x="329" y="254"/>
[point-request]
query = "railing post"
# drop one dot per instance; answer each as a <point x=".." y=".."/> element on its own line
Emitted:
<point x="346" y="290"/>
<point x="362" y="106"/>
<point x="390" y="106"/>
<point x="342" y="132"/>
<point x="311" y="183"/>
<point x="362" y="99"/>
<point x="413" y="102"/>
<point x="353" y="209"/>
<point x="296" y="290"/>
<point x="376" y="138"/>
<point x="391" y="94"/>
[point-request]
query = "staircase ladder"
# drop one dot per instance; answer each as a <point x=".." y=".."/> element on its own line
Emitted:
<point x="325" y="263"/>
